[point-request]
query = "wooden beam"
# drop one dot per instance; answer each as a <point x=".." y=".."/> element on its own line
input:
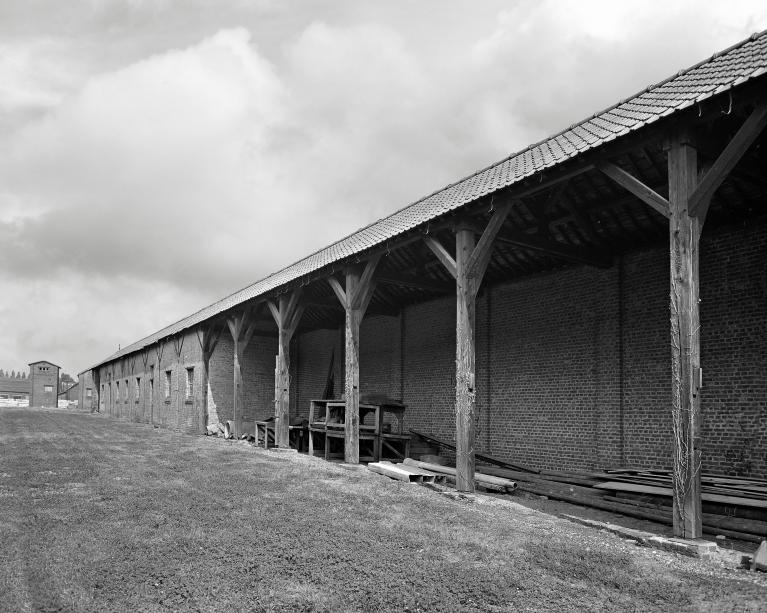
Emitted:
<point x="480" y="255"/>
<point x="365" y="285"/>
<point x="352" y="372"/>
<point x="275" y="311"/>
<point x="684" y="233"/>
<point x="465" y="393"/>
<point x="286" y="314"/>
<point x="207" y="337"/>
<point x="701" y="198"/>
<point x="338" y="291"/>
<point x="241" y="330"/>
<point x="411" y="281"/>
<point x="160" y="350"/>
<point x="636" y="187"/>
<point x="571" y="253"/>
<point x="443" y="255"/>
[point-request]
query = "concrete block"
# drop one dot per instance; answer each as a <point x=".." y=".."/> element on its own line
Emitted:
<point x="760" y="557"/>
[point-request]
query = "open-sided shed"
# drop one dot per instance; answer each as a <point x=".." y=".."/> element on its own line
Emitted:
<point x="563" y="307"/>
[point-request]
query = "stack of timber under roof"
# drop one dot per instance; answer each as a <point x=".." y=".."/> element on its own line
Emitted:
<point x="572" y="195"/>
<point x="732" y="506"/>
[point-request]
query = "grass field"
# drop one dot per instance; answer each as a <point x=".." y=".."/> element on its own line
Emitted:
<point x="102" y="515"/>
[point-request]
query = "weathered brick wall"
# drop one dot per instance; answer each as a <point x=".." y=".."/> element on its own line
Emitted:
<point x="573" y="367"/>
<point x="257" y="369"/>
<point x="646" y="358"/>
<point x="380" y="356"/>
<point x="42" y="374"/>
<point x="142" y="388"/>
<point x="733" y="313"/>
<point x="310" y="366"/>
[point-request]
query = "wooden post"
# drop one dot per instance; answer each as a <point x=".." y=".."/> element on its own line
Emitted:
<point x="241" y="336"/>
<point x="689" y="200"/>
<point x="465" y="390"/>
<point x="684" y="233"/>
<point x="355" y="298"/>
<point x="286" y="313"/>
<point x="468" y="268"/>
<point x="160" y="349"/>
<point x="144" y="375"/>
<point x="352" y="372"/>
<point x="178" y="347"/>
<point x="208" y="337"/>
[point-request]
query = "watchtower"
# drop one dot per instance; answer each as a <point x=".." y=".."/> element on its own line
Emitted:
<point x="44" y="384"/>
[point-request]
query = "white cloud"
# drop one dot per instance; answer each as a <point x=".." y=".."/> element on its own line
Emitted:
<point x="141" y="192"/>
<point x="75" y="320"/>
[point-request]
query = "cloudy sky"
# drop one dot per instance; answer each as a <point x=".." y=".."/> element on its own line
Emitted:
<point x="156" y="155"/>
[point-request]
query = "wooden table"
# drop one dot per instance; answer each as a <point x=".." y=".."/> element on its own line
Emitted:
<point x="296" y="435"/>
<point x="327" y="426"/>
<point x="392" y="442"/>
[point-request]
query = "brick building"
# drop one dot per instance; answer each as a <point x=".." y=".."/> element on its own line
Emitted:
<point x="43" y="384"/>
<point x="14" y="389"/>
<point x="524" y="311"/>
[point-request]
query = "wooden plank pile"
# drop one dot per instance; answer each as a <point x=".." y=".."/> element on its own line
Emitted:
<point x="415" y="471"/>
<point x="409" y="474"/>
<point x="732" y="506"/>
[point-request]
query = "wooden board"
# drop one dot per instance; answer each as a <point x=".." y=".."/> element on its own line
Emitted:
<point x="666" y="491"/>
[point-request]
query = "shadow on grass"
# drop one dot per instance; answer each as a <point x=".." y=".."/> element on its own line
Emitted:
<point x="606" y="571"/>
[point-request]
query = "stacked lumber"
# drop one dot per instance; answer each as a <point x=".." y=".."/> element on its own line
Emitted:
<point x="733" y="507"/>
<point x="500" y="484"/>
<point x="409" y="474"/>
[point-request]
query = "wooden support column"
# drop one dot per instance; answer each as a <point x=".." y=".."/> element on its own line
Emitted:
<point x="241" y="330"/>
<point x="145" y="381"/>
<point x="178" y="346"/>
<point x="355" y="299"/>
<point x="465" y="389"/>
<point x="208" y="337"/>
<point x="684" y="231"/>
<point x="159" y="351"/>
<point x="286" y="313"/>
<point x="468" y="268"/>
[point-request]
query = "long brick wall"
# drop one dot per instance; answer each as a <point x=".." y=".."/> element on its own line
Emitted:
<point x="573" y="366"/>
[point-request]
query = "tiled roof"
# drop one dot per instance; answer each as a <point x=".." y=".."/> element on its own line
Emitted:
<point x="10" y="385"/>
<point x="723" y="71"/>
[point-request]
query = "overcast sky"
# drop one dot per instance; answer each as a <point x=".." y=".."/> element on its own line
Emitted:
<point x="156" y="155"/>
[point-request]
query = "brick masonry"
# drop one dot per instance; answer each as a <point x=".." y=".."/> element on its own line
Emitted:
<point x="86" y="390"/>
<point x="43" y="384"/>
<point x="573" y="366"/>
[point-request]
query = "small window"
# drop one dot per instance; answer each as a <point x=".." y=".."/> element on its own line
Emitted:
<point x="189" y="382"/>
<point x="167" y="383"/>
<point x="48" y="388"/>
<point x="88" y="392"/>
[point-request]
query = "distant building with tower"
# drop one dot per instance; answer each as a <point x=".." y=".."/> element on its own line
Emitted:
<point x="43" y="384"/>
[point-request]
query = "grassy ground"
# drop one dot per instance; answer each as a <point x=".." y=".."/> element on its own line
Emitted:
<point x="100" y="515"/>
